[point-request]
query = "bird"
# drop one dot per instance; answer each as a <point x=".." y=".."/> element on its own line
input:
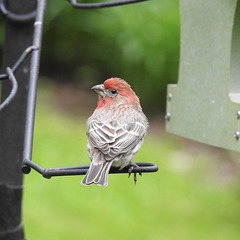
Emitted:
<point x="115" y="130"/>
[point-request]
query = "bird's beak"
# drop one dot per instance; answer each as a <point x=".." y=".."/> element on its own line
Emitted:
<point x="99" y="89"/>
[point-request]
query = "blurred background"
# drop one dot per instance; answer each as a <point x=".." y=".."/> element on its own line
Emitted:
<point x="194" y="195"/>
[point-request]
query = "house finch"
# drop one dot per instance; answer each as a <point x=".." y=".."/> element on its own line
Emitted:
<point x="115" y="130"/>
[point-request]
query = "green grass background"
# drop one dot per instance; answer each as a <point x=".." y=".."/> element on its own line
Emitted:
<point x="194" y="195"/>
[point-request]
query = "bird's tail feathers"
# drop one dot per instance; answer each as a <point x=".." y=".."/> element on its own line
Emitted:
<point x="97" y="172"/>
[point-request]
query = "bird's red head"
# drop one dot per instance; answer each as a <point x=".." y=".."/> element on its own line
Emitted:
<point x="116" y="83"/>
<point x="123" y="88"/>
<point x="114" y="91"/>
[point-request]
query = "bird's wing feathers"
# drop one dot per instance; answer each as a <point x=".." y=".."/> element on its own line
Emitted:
<point x="113" y="138"/>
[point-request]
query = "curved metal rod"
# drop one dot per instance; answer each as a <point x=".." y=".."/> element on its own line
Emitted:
<point x="75" y="4"/>
<point x="18" y="63"/>
<point x="82" y="169"/>
<point x="13" y="17"/>
<point x="13" y="91"/>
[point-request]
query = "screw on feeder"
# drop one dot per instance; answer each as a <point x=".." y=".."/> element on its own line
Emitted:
<point x="168" y="116"/>
<point x="237" y="135"/>
<point x="169" y="97"/>
<point x="238" y="114"/>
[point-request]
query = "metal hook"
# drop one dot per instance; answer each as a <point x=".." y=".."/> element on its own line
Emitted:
<point x="9" y="75"/>
<point x="13" y="92"/>
<point x="75" y="4"/>
<point x="18" y="63"/>
<point x="13" y="17"/>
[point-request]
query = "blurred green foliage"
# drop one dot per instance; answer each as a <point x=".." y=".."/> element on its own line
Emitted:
<point x="138" y="42"/>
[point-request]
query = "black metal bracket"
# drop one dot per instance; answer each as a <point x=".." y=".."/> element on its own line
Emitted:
<point x="82" y="169"/>
<point x="105" y="4"/>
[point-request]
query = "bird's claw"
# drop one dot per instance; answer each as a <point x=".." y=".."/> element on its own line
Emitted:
<point x="132" y="166"/>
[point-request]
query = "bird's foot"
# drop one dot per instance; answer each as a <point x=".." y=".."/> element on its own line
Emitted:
<point x="131" y="167"/>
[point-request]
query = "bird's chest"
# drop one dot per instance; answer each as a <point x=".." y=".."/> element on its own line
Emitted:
<point x="122" y="114"/>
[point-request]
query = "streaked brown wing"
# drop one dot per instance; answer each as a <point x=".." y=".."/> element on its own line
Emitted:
<point x="113" y="139"/>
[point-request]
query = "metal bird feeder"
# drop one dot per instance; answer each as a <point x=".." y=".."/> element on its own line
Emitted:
<point x="34" y="50"/>
<point x="204" y="105"/>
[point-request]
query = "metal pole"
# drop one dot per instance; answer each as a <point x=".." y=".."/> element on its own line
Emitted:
<point x="32" y="93"/>
<point x="18" y="36"/>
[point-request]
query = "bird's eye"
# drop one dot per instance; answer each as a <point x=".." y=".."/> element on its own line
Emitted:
<point x="113" y="91"/>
